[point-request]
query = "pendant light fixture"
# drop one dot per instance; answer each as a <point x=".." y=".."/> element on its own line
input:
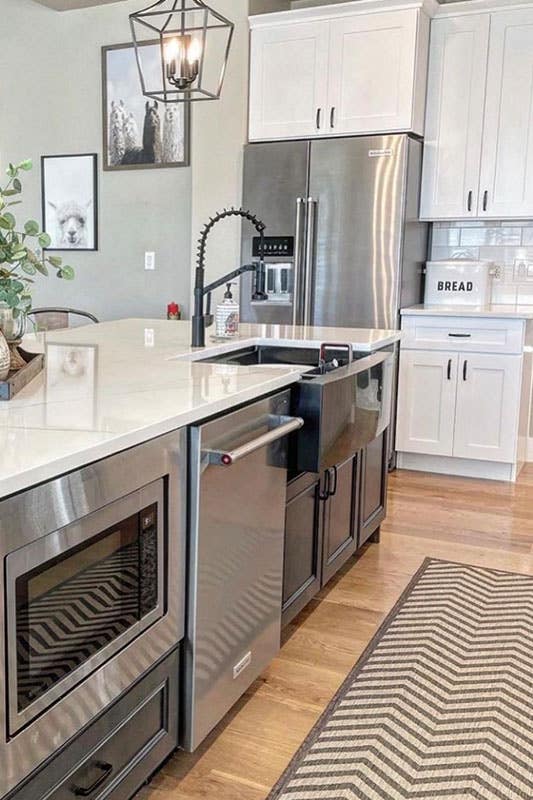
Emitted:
<point x="182" y="49"/>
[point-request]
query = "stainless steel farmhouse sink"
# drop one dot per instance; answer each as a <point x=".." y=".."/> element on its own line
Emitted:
<point x="344" y="397"/>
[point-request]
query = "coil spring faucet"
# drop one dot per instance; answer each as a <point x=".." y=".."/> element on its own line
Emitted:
<point x="201" y="319"/>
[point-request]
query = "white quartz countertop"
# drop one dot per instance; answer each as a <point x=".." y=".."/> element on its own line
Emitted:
<point x="111" y="386"/>
<point x="502" y="311"/>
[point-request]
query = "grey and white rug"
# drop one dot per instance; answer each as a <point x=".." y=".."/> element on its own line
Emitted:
<point x="440" y="705"/>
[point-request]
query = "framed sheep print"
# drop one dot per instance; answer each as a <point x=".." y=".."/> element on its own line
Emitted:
<point x="140" y="133"/>
<point x="70" y="203"/>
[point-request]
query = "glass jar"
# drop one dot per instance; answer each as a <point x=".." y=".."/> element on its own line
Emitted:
<point x="13" y="329"/>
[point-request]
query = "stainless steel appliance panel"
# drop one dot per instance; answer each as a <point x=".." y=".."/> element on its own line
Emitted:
<point x="39" y="512"/>
<point x="236" y="558"/>
<point x="275" y="186"/>
<point x="358" y="189"/>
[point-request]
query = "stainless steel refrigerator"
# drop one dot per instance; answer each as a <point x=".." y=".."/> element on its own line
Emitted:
<point x="344" y="246"/>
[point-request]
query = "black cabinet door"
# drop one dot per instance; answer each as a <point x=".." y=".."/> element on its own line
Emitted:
<point x="303" y="545"/>
<point x="340" y="517"/>
<point x="373" y="488"/>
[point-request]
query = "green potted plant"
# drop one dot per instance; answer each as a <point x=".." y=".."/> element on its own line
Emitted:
<point x="23" y="257"/>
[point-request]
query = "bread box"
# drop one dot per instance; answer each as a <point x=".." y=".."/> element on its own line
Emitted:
<point x="459" y="282"/>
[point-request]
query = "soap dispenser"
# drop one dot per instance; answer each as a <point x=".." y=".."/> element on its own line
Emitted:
<point x="227" y="316"/>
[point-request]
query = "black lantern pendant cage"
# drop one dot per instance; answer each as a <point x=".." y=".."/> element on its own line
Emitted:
<point x="182" y="49"/>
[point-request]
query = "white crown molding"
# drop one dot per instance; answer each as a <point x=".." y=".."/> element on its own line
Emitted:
<point x="314" y="13"/>
<point x="467" y="7"/>
<point x="71" y="5"/>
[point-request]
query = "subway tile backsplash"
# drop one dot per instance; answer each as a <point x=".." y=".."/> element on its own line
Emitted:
<point x="509" y="244"/>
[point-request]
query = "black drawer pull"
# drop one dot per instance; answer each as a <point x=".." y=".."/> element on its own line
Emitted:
<point x="106" y="770"/>
<point x="333" y="492"/>
<point x="465" y="371"/>
<point x="469" y="203"/>
<point x="460" y="335"/>
<point x="327" y="486"/>
<point x="449" y="374"/>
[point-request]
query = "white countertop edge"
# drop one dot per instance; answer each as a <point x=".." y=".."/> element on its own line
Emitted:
<point x="117" y="442"/>
<point x="502" y="311"/>
<point x="215" y="348"/>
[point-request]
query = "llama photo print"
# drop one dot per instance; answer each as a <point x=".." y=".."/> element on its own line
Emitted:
<point x="70" y="213"/>
<point x="140" y="133"/>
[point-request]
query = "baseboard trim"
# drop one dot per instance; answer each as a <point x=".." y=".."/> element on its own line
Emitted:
<point x="466" y="468"/>
<point x="530" y="450"/>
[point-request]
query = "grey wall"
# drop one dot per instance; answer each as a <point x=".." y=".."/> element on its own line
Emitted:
<point x="50" y="102"/>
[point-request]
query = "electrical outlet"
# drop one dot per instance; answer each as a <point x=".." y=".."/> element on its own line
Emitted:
<point x="149" y="261"/>
<point x="149" y="337"/>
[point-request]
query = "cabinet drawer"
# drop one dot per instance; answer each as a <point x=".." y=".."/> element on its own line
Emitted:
<point x="119" y="751"/>
<point x="462" y="334"/>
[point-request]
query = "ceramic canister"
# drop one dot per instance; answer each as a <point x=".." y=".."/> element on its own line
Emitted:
<point x="5" y="357"/>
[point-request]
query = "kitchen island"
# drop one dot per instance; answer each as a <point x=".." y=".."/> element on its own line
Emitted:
<point x="158" y="526"/>
<point x="133" y="380"/>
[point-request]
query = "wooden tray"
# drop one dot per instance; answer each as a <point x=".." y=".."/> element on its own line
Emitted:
<point x="16" y="381"/>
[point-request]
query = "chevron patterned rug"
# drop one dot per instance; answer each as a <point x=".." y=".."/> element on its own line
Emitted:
<point x="440" y="705"/>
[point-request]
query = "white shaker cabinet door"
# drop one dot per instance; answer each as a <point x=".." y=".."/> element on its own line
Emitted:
<point x="426" y="402"/>
<point x="372" y="72"/>
<point x="288" y="80"/>
<point x="506" y="186"/>
<point x="454" y="117"/>
<point x="488" y="403"/>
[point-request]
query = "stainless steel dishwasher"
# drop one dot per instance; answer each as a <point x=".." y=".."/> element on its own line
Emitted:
<point x="238" y="475"/>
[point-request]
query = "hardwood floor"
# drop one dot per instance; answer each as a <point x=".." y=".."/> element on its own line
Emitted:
<point x="472" y="521"/>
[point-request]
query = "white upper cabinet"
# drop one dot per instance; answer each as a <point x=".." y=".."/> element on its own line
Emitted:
<point x="288" y="81"/>
<point x="454" y="117"/>
<point x="506" y="183"/>
<point x="368" y="92"/>
<point x="478" y="158"/>
<point x="327" y="72"/>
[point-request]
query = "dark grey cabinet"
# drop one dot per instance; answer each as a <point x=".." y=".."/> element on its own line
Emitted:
<point x="373" y="489"/>
<point x="121" y="749"/>
<point x="303" y="544"/>
<point x="340" y="516"/>
<point x="328" y="518"/>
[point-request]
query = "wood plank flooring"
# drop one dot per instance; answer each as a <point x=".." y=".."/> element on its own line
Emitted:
<point x="471" y="521"/>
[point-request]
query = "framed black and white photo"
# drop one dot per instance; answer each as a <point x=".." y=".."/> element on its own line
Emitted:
<point x="70" y="202"/>
<point x="140" y="133"/>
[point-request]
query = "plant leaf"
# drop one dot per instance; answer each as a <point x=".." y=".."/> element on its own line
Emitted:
<point x="67" y="273"/>
<point x="55" y="261"/>
<point x="45" y="240"/>
<point x="31" y="228"/>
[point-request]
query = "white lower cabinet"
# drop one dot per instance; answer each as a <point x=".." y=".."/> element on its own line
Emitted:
<point x="426" y="402"/>
<point x="461" y="411"/>
<point x="488" y="404"/>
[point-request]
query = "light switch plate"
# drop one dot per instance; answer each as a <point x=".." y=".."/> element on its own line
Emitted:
<point x="149" y="261"/>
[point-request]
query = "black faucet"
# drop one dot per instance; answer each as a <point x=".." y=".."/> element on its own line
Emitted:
<point x="200" y="320"/>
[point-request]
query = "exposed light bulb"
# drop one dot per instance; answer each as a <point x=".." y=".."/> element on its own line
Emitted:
<point x="194" y="52"/>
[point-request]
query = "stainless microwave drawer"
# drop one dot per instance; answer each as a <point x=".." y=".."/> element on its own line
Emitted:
<point x="343" y="411"/>
<point x="119" y="751"/>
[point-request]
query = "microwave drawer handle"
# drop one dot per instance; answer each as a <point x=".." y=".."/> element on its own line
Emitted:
<point x="106" y="770"/>
<point x="460" y="335"/>
<point x="225" y="458"/>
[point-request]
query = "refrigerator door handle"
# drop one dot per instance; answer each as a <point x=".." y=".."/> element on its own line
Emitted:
<point x="309" y="259"/>
<point x="297" y="269"/>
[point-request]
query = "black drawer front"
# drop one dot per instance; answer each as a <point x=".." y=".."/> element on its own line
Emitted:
<point x="119" y="751"/>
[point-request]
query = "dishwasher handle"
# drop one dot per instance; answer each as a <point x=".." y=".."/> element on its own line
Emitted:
<point x="225" y="458"/>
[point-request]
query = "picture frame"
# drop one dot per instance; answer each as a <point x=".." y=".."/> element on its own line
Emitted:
<point x="139" y="133"/>
<point x="69" y="197"/>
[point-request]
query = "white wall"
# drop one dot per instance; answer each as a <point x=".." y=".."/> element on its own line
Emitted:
<point x="50" y="103"/>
